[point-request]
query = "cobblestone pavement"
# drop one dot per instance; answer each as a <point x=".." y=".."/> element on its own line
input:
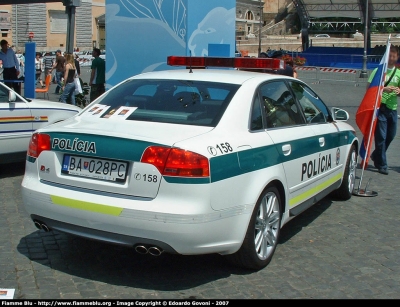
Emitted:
<point x="334" y="250"/>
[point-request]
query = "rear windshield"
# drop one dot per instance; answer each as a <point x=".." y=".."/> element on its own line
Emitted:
<point x="167" y="101"/>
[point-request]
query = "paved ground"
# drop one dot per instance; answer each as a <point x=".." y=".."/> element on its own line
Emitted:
<point x="334" y="250"/>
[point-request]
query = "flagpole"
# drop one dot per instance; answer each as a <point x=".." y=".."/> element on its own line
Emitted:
<point x="369" y="140"/>
<point x="377" y="98"/>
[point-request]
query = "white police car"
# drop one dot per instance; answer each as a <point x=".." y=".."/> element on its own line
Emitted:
<point x="192" y="161"/>
<point x="20" y="117"/>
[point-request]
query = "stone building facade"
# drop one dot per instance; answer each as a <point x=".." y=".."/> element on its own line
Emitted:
<point x="48" y="23"/>
<point x="253" y="14"/>
<point x="248" y="18"/>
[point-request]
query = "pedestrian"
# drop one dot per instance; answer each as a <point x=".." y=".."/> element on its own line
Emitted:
<point x="291" y="64"/>
<point x="21" y="59"/>
<point x="386" y="124"/>
<point x="77" y="65"/>
<point x="47" y="63"/>
<point x="288" y="70"/>
<point x="59" y="67"/>
<point x="98" y="75"/>
<point x="1" y="70"/>
<point x="39" y="69"/>
<point x="10" y="66"/>
<point x="69" y="84"/>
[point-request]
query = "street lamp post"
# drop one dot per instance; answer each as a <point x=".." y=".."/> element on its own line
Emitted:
<point x="364" y="73"/>
<point x="259" y="28"/>
<point x="16" y="26"/>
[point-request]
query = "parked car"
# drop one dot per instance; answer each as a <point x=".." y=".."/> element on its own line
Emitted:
<point x="192" y="161"/>
<point x="250" y="35"/>
<point x="20" y="117"/>
<point x="322" y="36"/>
<point x="103" y="54"/>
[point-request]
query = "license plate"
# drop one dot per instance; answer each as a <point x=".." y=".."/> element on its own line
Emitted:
<point x="94" y="168"/>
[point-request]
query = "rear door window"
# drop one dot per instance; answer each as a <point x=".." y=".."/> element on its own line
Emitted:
<point x="279" y="105"/>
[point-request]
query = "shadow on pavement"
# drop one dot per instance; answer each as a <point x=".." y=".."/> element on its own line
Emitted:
<point x="394" y="169"/>
<point x="303" y="220"/>
<point x="12" y="169"/>
<point x="120" y="265"/>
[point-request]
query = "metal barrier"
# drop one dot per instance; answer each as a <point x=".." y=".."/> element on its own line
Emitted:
<point x="308" y="73"/>
<point x="330" y="74"/>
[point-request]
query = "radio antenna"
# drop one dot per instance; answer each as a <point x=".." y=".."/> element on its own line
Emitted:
<point x="190" y="62"/>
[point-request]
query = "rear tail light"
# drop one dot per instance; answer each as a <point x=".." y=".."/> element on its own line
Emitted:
<point x="157" y="156"/>
<point x="177" y="162"/>
<point x="38" y="143"/>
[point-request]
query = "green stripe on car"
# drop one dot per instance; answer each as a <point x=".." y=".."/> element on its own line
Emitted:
<point x="238" y="163"/>
<point x="105" y="146"/>
<point x="30" y="159"/>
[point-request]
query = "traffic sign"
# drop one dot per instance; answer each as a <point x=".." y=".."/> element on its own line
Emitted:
<point x="30" y="34"/>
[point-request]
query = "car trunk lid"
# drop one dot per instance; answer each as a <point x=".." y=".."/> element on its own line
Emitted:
<point x="109" y="163"/>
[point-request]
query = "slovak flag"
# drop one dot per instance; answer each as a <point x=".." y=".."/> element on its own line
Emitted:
<point x="368" y="110"/>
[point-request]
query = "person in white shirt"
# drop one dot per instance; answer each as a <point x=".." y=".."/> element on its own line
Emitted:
<point x="21" y="59"/>
<point x="39" y="69"/>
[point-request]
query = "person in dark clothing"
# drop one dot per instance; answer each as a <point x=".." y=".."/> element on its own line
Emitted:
<point x="47" y="63"/>
<point x="69" y="84"/>
<point x="59" y="67"/>
<point x="288" y="70"/>
<point x="98" y="75"/>
<point x="78" y="67"/>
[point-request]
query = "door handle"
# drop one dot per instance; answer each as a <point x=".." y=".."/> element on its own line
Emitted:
<point x="321" y="142"/>
<point x="287" y="149"/>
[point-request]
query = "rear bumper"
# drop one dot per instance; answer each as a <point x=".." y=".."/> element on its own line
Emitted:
<point x="100" y="235"/>
<point x="189" y="226"/>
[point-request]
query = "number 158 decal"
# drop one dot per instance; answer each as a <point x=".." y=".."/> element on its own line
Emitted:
<point x="221" y="148"/>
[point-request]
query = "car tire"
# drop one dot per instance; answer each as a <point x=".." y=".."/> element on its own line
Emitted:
<point x="345" y="190"/>
<point x="264" y="228"/>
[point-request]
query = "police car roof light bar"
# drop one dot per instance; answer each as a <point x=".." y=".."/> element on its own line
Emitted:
<point x="240" y="63"/>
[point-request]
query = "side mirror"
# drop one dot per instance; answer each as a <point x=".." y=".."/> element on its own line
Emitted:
<point x="339" y="114"/>
<point x="11" y="96"/>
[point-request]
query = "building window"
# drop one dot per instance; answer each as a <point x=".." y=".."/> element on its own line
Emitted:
<point x="5" y="21"/>
<point x="249" y="15"/>
<point x="58" y="22"/>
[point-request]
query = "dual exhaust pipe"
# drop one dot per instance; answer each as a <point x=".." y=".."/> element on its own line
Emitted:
<point x="141" y="249"/>
<point x="152" y="250"/>
<point x="41" y="225"/>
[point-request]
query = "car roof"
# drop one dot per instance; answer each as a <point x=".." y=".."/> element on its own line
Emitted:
<point x="231" y="76"/>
